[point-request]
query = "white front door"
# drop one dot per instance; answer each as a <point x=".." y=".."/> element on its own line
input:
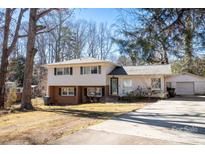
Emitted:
<point x="185" y="88"/>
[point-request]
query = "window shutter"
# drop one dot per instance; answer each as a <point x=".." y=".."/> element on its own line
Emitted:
<point x="99" y="69"/>
<point x="81" y="70"/>
<point x="103" y="91"/>
<point x="85" y="91"/>
<point x="54" y="71"/>
<point x="75" y="91"/>
<point x="71" y="71"/>
<point x="59" y="91"/>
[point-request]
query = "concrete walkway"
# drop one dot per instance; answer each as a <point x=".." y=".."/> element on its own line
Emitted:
<point x="173" y="121"/>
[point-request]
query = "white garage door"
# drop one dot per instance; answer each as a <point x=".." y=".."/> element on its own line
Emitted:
<point x="185" y="88"/>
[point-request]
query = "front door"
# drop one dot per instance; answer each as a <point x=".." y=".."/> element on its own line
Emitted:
<point x="114" y="86"/>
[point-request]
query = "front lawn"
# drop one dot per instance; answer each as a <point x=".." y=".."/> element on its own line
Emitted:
<point x="49" y="123"/>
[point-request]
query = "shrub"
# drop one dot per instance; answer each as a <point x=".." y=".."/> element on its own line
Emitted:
<point x="162" y="95"/>
<point x="11" y="98"/>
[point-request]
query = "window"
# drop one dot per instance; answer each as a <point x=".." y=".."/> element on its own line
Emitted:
<point x="127" y="86"/>
<point x="63" y="71"/>
<point x="91" y="91"/>
<point x="90" y="70"/>
<point x="98" y="92"/>
<point x="66" y="71"/>
<point x="127" y="83"/>
<point x="68" y="91"/>
<point x="94" y="91"/>
<point x="59" y="71"/>
<point x="86" y="70"/>
<point x="156" y="83"/>
<point x="94" y="70"/>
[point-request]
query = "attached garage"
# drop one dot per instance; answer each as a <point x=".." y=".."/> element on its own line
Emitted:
<point x="186" y="84"/>
<point x="185" y="88"/>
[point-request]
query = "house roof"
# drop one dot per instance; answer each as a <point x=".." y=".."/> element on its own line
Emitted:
<point x="80" y="61"/>
<point x="142" y="70"/>
<point x="187" y="73"/>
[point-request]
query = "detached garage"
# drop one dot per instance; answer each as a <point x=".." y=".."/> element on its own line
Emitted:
<point x="186" y="84"/>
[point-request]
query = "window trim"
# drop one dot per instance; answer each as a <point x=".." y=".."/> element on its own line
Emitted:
<point x="153" y="88"/>
<point x="127" y="80"/>
<point x="94" y="68"/>
<point x="127" y="89"/>
<point x="89" y="69"/>
<point x="101" y="90"/>
<point x="95" y="91"/>
<point x="57" y="71"/>
<point x="93" y="88"/>
<point x="70" y="71"/>
<point x="67" y="91"/>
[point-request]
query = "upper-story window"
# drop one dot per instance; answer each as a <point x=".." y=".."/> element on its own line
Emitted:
<point x="90" y="70"/>
<point x="63" y="71"/>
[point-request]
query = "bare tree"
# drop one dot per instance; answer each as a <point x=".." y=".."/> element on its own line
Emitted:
<point x="41" y="44"/>
<point x="92" y="40"/>
<point x="8" y="47"/>
<point x="124" y="61"/>
<point x="34" y="16"/>
<point x="78" y="37"/>
<point x="104" y="41"/>
<point x="60" y="35"/>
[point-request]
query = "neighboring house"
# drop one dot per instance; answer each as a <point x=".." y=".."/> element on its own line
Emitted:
<point x="19" y="90"/>
<point x="186" y="84"/>
<point x="75" y="81"/>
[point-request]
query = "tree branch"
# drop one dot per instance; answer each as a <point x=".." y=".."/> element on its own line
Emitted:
<point x="15" y="38"/>
<point x="46" y="31"/>
<point x="43" y="13"/>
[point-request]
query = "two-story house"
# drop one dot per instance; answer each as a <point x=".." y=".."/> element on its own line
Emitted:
<point x="75" y="81"/>
<point x="72" y="81"/>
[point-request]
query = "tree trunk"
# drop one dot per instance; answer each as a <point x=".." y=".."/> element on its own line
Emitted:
<point x="4" y="58"/>
<point x="34" y="16"/>
<point x="4" y="66"/>
<point x="30" y="54"/>
<point x="7" y="50"/>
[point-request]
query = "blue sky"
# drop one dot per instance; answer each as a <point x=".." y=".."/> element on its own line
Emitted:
<point x="98" y="15"/>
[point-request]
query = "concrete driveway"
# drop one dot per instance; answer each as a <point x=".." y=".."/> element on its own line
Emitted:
<point x="180" y="120"/>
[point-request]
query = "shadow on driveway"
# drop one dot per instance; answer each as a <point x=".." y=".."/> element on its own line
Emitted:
<point x="164" y="122"/>
<point x="194" y="98"/>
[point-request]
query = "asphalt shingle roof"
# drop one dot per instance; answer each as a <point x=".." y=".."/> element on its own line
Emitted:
<point x="142" y="70"/>
<point x="80" y="61"/>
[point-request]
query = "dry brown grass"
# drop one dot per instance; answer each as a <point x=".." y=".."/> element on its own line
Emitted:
<point x="49" y="123"/>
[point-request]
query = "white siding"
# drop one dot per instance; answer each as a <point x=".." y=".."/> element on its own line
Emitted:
<point x="199" y="82"/>
<point x="200" y="87"/>
<point x="78" y="79"/>
<point x="142" y="81"/>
